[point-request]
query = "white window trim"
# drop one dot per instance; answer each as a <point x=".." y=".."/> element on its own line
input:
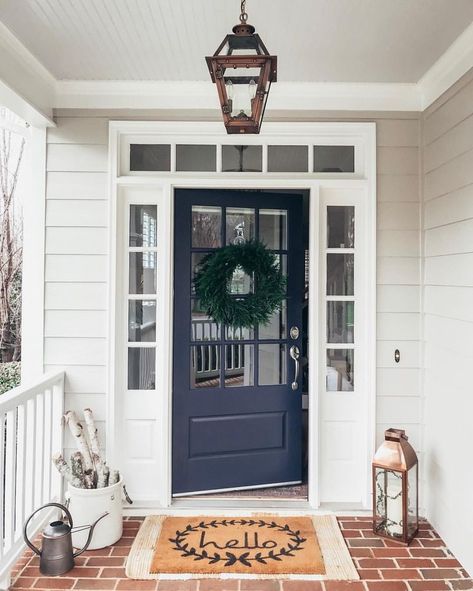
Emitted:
<point x="363" y="136"/>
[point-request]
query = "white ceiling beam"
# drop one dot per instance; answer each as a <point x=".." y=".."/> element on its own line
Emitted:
<point x="297" y="96"/>
<point x="450" y="67"/>
<point x="26" y="87"/>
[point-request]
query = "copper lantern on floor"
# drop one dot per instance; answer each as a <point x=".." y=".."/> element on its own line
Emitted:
<point x="395" y="488"/>
<point x="243" y="71"/>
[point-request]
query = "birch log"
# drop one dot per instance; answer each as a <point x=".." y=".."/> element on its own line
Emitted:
<point x="77" y="431"/>
<point x="92" y="432"/>
<point x="114" y="477"/>
<point x="66" y="471"/>
<point x="87" y="477"/>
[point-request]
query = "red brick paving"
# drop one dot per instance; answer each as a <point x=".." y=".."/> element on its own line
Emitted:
<point x="427" y="565"/>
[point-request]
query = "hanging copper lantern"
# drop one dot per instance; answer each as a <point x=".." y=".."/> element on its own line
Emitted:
<point x="395" y="488"/>
<point x="243" y="71"/>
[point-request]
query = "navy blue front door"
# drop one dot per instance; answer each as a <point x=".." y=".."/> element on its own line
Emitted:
<point x="236" y="400"/>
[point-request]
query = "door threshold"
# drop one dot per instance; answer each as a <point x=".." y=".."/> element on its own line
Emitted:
<point x="242" y="504"/>
<point x="217" y="491"/>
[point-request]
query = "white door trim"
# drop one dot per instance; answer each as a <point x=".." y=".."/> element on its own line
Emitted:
<point x="363" y="136"/>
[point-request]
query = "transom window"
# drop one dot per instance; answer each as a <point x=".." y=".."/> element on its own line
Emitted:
<point x="153" y="158"/>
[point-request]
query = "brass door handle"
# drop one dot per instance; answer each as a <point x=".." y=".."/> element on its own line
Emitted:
<point x="295" y="354"/>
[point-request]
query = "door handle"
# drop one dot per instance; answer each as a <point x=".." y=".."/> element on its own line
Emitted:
<point x="295" y="354"/>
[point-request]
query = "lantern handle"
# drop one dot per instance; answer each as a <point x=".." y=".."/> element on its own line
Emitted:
<point x="243" y="13"/>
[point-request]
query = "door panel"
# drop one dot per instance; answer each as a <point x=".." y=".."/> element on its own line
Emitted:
<point x="236" y="418"/>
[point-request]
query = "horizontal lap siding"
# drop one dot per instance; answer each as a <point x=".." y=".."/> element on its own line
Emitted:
<point x="77" y="260"/>
<point x="76" y="268"/>
<point x="398" y="278"/>
<point x="448" y="312"/>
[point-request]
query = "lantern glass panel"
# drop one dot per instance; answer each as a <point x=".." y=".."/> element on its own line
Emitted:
<point x="388" y="503"/>
<point x="412" y="509"/>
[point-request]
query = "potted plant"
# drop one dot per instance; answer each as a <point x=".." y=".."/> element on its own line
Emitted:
<point x="93" y="488"/>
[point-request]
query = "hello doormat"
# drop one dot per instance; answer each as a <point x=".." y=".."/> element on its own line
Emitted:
<point x="256" y="546"/>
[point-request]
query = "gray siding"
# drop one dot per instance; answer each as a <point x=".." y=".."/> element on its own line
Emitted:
<point x="448" y="313"/>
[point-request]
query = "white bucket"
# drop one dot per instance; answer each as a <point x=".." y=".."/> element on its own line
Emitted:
<point x="87" y="505"/>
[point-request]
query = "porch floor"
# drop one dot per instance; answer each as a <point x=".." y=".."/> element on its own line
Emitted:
<point x="427" y="565"/>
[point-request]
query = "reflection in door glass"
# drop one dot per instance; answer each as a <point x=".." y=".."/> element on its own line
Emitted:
<point x="205" y="366"/>
<point x="276" y="326"/>
<point x="340" y="322"/>
<point x="142" y="320"/>
<point x="340" y="227"/>
<point x="340" y="268"/>
<point x="143" y="225"/>
<point x="142" y="270"/>
<point x="141" y="368"/>
<point x="240" y="225"/>
<point x="273" y="228"/>
<point x="340" y="370"/>
<point x="272" y="368"/>
<point x="203" y="328"/>
<point x="239" y="365"/>
<point x="206" y="226"/>
<point x="234" y="333"/>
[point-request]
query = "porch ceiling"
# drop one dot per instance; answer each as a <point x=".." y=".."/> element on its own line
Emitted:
<point x="316" y="40"/>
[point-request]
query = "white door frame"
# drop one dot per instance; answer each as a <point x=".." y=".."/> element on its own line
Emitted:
<point x="363" y="136"/>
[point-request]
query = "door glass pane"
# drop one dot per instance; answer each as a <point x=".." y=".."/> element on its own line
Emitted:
<point x="334" y="159"/>
<point x="340" y="227"/>
<point x="277" y="325"/>
<point x="142" y="269"/>
<point x="239" y="365"/>
<point x="272" y="364"/>
<point x="273" y="228"/>
<point x="150" y="157"/>
<point x="340" y="370"/>
<point x="205" y="366"/>
<point x="240" y="225"/>
<point x="340" y="274"/>
<point x="197" y="258"/>
<point x="242" y="158"/>
<point x="143" y="225"/>
<point x="199" y="158"/>
<point x="287" y="159"/>
<point x="202" y="327"/>
<point x="340" y="317"/>
<point x="206" y="226"/>
<point x="141" y="368"/>
<point x="142" y="320"/>
<point x="233" y="333"/>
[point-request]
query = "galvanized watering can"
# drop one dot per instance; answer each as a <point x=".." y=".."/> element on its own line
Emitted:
<point x="56" y="556"/>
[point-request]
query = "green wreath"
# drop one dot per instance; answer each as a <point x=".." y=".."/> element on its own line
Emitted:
<point x="216" y="272"/>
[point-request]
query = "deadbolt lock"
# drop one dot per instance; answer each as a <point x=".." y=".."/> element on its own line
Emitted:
<point x="294" y="333"/>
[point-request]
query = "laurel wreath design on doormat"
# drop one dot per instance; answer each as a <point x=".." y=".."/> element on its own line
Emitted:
<point x="294" y="544"/>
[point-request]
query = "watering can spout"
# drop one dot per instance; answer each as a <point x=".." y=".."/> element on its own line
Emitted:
<point x="91" y="533"/>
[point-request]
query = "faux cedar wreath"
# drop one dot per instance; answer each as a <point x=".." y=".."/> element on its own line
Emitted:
<point x="215" y="275"/>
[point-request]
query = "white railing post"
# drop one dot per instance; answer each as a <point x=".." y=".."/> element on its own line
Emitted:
<point x="30" y="431"/>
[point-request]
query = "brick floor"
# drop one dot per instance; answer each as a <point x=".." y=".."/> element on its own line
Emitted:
<point x="427" y="565"/>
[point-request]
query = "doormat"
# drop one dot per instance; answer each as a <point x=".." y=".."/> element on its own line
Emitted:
<point x="258" y="546"/>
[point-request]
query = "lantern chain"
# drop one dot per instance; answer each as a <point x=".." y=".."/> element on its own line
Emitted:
<point x="243" y="15"/>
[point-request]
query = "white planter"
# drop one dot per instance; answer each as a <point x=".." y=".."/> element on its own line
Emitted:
<point x="87" y="505"/>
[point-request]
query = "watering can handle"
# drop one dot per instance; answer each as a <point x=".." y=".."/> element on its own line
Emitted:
<point x="25" y="528"/>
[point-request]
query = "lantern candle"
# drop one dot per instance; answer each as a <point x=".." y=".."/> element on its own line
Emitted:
<point x="394" y="506"/>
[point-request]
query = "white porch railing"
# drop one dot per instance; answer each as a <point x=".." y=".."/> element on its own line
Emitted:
<point x="30" y="432"/>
